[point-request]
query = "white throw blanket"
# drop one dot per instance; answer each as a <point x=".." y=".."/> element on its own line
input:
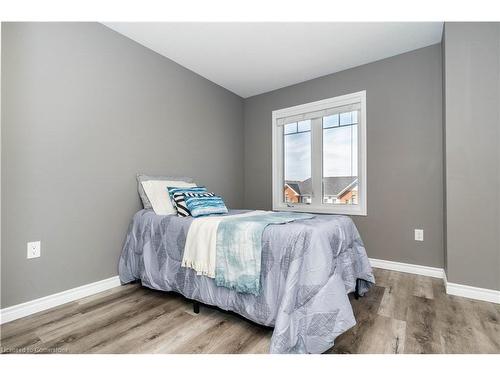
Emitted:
<point x="201" y="241"/>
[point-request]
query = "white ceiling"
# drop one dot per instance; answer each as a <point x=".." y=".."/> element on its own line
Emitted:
<point x="253" y="58"/>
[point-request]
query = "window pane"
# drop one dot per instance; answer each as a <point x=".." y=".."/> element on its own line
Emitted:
<point x="291" y="128"/>
<point x="331" y="121"/>
<point x="345" y="118"/>
<point x="340" y="164"/>
<point x="297" y="165"/>
<point x="304" y="126"/>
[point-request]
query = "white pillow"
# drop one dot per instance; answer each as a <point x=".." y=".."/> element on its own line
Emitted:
<point x="157" y="193"/>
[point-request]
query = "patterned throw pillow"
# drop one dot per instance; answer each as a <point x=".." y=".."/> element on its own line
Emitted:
<point x="202" y="205"/>
<point x="186" y="189"/>
<point x="180" y="203"/>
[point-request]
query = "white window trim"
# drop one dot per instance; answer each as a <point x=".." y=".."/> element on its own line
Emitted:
<point x="317" y="159"/>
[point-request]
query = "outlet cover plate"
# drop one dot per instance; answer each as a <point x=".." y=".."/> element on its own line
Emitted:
<point x="33" y="249"/>
<point x="419" y="234"/>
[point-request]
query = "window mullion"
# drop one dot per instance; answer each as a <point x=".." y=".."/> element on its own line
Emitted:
<point x="281" y="157"/>
<point x="317" y="160"/>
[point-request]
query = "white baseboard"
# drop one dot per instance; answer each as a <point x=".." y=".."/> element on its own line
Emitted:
<point x="31" y="307"/>
<point x="408" y="268"/>
<point x="488" y="295"/>
<point x="24" y="309"/>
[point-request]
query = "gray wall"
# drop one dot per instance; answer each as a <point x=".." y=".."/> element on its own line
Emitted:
<point x="472" y="125"/>
<point x="404" y="126"/>
<point x="83" y="110"/>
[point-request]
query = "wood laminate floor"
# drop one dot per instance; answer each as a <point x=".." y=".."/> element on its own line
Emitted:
<point x="403" y="313"/>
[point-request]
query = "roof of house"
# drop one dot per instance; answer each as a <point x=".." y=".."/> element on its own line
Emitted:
<point x="331" y="185"/>
<point x="294" y="186"/>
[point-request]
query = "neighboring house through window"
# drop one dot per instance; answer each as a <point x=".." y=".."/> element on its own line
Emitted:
<point x="319" y="156"/>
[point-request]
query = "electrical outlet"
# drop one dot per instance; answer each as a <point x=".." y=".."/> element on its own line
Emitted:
<point x="419" y="234"/>
<point x="34" y="249"/>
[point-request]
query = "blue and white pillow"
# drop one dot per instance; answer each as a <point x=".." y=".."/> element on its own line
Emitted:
<point x="194" y="189"/>
<point x="177" y="197"/>
<point x="180" y="203"/>
<point x="200" y="204"/>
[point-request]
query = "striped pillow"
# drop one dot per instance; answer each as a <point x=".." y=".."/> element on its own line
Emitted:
<point x="186" y="189"/>
<point x="200" y="205"/>
<point x="183" y="211"/>
<point x="180" y="203"/>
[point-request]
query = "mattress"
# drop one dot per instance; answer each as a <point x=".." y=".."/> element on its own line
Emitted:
<point x="308" y="269"/>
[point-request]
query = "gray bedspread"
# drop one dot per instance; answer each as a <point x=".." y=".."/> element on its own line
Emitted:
<point x="308" y="268"/>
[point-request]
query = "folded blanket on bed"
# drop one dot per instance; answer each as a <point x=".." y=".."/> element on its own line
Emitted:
<point x="199" y="251"/>
<point x="239" y="249"/>
<point x="229" y="248"/>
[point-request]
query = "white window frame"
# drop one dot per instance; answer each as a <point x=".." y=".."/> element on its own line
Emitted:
<point x="317" y="206"/>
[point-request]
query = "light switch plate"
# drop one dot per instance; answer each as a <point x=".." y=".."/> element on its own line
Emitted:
<point x="33" y="249"/>
<point x="419" y="234"/>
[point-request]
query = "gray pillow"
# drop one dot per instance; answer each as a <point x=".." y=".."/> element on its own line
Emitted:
<point x="143" y="177"/>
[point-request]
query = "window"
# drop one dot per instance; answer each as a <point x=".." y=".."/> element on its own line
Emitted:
<point x="319" y="156"/>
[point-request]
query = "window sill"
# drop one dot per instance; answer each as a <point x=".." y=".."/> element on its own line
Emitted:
<point x="342" y="210"/>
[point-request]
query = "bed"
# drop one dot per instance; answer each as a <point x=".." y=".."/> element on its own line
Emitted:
<point x="308" y="269"/>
